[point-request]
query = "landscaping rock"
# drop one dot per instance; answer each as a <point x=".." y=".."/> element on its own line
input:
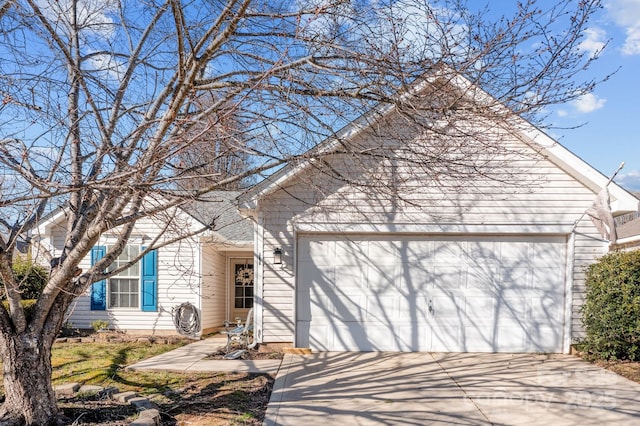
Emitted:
<point x="142" y="403"/>
<point x="66" y="389"/>
<point x="107" y="392"/>
<point x="91" y="389"/>
<point x="147" y="418"/>
<point x="124" y="396"/>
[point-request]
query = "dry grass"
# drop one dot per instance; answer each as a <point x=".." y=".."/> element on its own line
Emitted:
<point x="185" y="399"/>
<point x="628" y="369"/>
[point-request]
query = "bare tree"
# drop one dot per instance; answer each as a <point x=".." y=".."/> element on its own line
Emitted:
<point x="217" y="150"/>
<point x="98" y="102"/>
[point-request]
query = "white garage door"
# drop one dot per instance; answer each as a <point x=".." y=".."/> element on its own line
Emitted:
<point x="414" y="293"/>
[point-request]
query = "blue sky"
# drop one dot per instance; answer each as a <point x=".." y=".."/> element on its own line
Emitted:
<point x="611" y="115"/>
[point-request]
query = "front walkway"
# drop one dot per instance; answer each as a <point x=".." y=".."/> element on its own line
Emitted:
<point x="190" y="359"/>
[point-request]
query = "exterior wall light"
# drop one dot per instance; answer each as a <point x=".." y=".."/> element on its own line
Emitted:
<point x="277" y="256"/>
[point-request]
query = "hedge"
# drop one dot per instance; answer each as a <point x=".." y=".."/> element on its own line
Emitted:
<point x="611" y="312"/>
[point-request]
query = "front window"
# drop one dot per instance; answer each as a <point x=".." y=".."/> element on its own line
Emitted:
<point x="124" y="287"/>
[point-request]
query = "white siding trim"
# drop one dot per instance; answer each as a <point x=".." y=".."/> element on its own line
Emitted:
<point x="455" y="228"/>
<point x="294" y="295"/>
<point x="568" y="292"/>
<point x="258" y="270"/>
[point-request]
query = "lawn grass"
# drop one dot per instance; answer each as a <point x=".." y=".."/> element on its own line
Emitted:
<point x="196" y="399"/>
<point x="102" y="363"/>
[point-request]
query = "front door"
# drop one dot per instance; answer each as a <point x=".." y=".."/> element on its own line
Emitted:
<point x="241" y="290"/>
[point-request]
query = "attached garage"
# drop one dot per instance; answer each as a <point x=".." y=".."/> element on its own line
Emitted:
<point x="463" y="293"/>
<point x="395" y="236"/>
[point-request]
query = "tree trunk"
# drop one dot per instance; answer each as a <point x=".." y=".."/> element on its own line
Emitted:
<point x="30" y="399"/>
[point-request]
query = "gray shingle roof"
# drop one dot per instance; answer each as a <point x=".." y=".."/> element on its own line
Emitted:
<point x="219" y="209"/>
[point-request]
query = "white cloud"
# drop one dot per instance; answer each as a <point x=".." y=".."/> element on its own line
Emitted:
<point x="94" y="16"/>
<point x="632" y="43"/>
<point x="626" y="14"/>
<point x="594" y="41"/>
<point x="108" y="67"/>
<point x="588" y="103"/>
<point x="630" y="180"/>
<point x="562" y="113"/>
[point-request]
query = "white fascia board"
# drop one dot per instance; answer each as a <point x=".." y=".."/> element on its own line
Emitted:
<point x="622" y="201"/>
<point x="437" y="228"/>
<point x="632" y="239"/>
<point x="44" y="227"/>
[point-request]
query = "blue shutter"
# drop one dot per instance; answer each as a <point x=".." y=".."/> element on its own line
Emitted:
<point x="150" y="282"/>
<point x="98" y="289"/>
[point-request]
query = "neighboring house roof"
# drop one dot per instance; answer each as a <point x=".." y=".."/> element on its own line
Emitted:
<point x="622" y="200"/>
<point x="216" y="209"/>
<point x="629" y="229"/>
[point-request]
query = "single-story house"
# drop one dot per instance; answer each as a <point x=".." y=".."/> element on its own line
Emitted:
<point x="213" y="272"/>
<point x="372" y="249"/>
<point x="381" y="254"/>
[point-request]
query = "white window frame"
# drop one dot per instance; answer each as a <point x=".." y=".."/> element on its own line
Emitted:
<point x="124" y="276"/>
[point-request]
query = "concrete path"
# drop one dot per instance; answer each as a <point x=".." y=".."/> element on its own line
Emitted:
<point x="190" y="358"/>
<point x="462" y="389"/>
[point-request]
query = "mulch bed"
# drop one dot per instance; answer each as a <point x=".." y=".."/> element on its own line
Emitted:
<point x="250" y="354"/>
<point x="220" y="399"/>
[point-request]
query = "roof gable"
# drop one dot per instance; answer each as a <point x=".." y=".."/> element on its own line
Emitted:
<point x="621" y="200"/>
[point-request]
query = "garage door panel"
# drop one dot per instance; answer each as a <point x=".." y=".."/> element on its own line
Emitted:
<point x="482" y="280"/>
<point x="447" y="339"/>
<point x="350" y="279"/>
<point x="449" y="253"/>
<point x="383" y="278"/>
<point x="317" y="251"/>
<point x="424" y="293"/>
<point x="445" y="306"/>
<point x="382" y="309"/>
<point x="515" y="278"/>
<point x="546" y="309"/>
<point x="548" y="278"/>
<point x="350" y="253"/>
<point x="448" y="277"/>
<point x="418" y="252"/>
<point x="515" y="253"/>
<point x="547" y="252"/>
<point x="480" y="310"/>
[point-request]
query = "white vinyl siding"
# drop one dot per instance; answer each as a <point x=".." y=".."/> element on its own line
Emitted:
<point x="214" y="288"/>
<point x="178" y="282"/>
<point x="548" y="200"/>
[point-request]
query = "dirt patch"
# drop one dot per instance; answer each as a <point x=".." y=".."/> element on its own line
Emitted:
<point x="628" y="369"/>
<point x="218" y="399"/>
<point x="90" y="336"/>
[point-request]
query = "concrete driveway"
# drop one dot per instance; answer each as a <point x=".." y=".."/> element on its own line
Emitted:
<point x="373" y="388"/>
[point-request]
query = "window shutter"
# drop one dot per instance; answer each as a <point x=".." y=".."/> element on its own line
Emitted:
<point x="150" y="281"/>
<point x="99" y="288"/>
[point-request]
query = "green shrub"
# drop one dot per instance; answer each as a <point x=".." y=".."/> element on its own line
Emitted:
<point x="28" y="306"/>
<point x="98" y="325"/>
<point x="611" y="312"/>
<point x="32" y="278"/>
